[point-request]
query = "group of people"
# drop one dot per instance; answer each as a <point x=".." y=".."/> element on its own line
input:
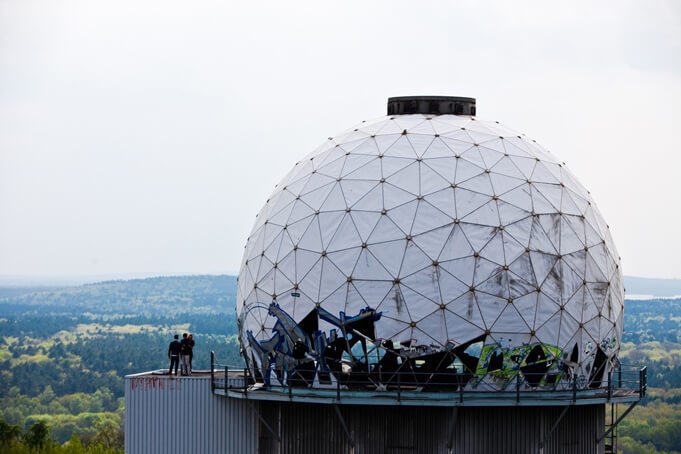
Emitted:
<point x="181" y="353"/>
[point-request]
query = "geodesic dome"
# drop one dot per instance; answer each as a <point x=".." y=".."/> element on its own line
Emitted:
<point x="446" y="236"/>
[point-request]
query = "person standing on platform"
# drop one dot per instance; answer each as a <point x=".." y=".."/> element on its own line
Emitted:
<point x="185" y="352"/>
<point x="174" y="355"/>
<point x="191" y="350"/>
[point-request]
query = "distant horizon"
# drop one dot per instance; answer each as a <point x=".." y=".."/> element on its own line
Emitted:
<point x="639" y="288"/>
<point x="149" y="274"/>
<point x="45" y="280"/>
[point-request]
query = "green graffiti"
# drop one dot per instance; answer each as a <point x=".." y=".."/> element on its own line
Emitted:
<point x="535" y="364"/>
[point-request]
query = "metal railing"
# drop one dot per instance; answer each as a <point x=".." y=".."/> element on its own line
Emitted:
<point x="627" y="380"/>
<point x="225" y="377"/>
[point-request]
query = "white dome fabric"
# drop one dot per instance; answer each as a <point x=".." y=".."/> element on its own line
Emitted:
<point x="451" y="229"/>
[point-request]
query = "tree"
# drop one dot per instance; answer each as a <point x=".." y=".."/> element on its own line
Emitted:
<point x="109" y="436"/>
<point x="47" y="396"/>
<point x="77" y="405"/>
<point x="37" y="435"/>
<point x="75" y="446"/>
<point x="8" y="433"/>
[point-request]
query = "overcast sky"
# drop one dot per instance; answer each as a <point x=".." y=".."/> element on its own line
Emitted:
<point x="144" y="136"/>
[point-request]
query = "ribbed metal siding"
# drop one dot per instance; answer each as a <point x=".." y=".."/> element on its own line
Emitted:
<point x="519" y="429"/>
<point x="316" y="429"/>
<point x="181" y="415"/>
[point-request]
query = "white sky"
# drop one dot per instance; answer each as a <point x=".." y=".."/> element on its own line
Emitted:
<point x="144" y="136"/>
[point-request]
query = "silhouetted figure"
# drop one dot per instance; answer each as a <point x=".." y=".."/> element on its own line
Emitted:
<point x="174" y="354"/>
<point x="191" y="350"/>
<point x="185" y="352"/>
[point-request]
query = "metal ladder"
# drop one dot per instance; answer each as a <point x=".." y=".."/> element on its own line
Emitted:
<point x="611" y="439"/>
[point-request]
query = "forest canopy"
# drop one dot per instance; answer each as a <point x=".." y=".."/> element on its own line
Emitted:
<point x="64" y="353"/>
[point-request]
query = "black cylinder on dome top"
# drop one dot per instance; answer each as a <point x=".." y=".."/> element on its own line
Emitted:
<point x="435" y="105"/>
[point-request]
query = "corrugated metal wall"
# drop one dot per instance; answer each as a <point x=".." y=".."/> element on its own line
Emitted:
<point x="519" y="429"/>
<point x="316" y="429"/>
<point x="181" y="415"/>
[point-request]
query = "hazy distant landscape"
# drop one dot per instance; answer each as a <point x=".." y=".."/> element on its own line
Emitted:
<point x="663" y="288"/>
<point x="65" y="350"/>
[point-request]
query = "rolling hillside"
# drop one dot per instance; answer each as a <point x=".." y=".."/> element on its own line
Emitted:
<point x="64" y="351"/>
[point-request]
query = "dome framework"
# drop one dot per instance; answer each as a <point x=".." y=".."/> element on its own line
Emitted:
<point x="430" y="243"/>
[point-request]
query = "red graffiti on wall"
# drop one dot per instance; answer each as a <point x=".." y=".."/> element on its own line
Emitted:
<point x="150" y="382"/>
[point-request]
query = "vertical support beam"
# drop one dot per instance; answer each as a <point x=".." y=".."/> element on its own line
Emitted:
<point x="345" y="427"/>
<point x="613" y="417"/>
<point x="574" y="389"/>
<point x="245" y="381"/>
<point x="226" y="384"/>
<point x="609" y="385"/>
<point x="264" y="423"/>
<point x="279" y="426"/>
<point x="615" y="410"/>
<point x="212" y="373"/>
<point x="450" y="443"/>
<point x="517" y="387"/>
<point x="546" y="436"/>
<point x="399" y="387"/>
<point x="631" y="407"/>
